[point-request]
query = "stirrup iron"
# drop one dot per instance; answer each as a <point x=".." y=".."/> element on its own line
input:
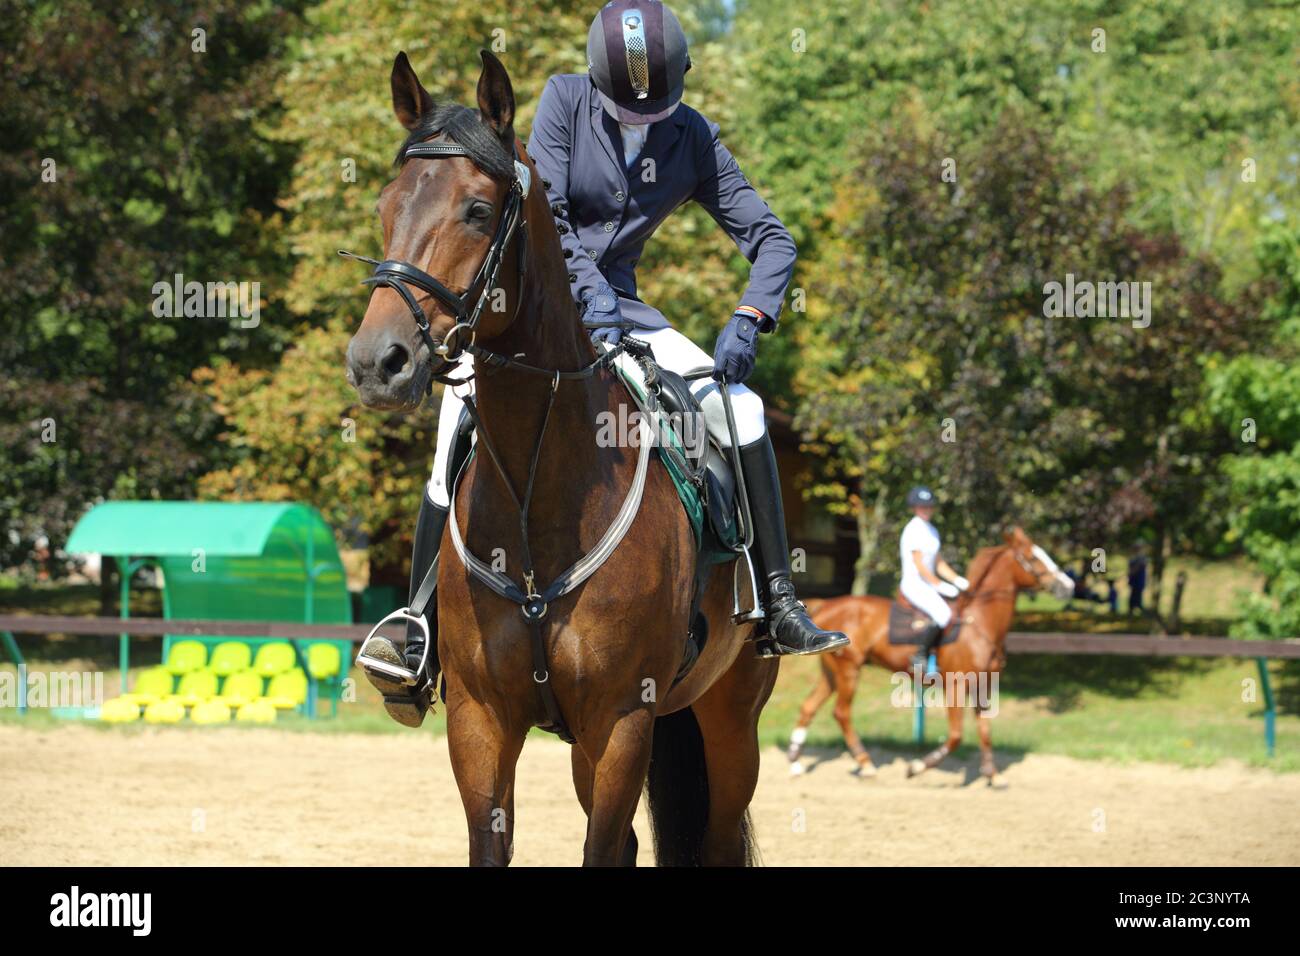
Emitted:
<point x="403" y="674"/>
<point x="754" y="613"/>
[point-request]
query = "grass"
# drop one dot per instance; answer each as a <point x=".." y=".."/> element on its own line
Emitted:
<point x="1185" y="711"/>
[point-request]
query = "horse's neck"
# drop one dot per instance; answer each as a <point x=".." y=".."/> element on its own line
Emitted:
<point x="994" y="596"/>
<point x="546" y="333"/>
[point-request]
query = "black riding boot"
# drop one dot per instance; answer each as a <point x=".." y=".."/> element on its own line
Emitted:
<point x="408" y="692"/>
<point x="789" y="629"/>
<point x="929" y="637"/>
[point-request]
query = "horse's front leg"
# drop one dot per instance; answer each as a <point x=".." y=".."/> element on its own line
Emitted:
<point x="483" y="758"/>
<point x="619" y="759"/>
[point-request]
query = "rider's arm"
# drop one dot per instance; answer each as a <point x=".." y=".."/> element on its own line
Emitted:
<point x="734" y="204"/>
<point x="948" y="574"/>
<point x="928" y="576"/>
<point x="549" y="146"/>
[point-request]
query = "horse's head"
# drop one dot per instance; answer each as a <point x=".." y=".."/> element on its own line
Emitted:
<point x="446" y="218"/>
<point x="1033" y="568"/>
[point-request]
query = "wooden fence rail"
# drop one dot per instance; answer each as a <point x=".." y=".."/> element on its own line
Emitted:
<point x="1136" y="645"/>
<point x="1018" y="642"/>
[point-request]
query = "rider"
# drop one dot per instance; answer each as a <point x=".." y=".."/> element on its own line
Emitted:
<point x="927" y="578"/>
<point x="617" y="152"/>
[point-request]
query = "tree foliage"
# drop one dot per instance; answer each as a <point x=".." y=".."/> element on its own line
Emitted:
<point x="130" y="156"/>
<point x="1255" y="399"/>
<point x="930" y="356"/>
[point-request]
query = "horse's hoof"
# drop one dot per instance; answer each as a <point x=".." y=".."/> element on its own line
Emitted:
<point x="915" y="767"/>
<point x="864" y="771"/>
<point x="796" y="769"/>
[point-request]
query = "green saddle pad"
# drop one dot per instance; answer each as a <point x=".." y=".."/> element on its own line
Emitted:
<point x="707" y="544"/>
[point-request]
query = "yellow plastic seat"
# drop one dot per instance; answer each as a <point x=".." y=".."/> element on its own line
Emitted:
<point x="230" y="657"/>
<point x="256" y="712"/>
<point x="210" y="712"/>
<point x="152" y="684"/>
<point x="165" y="711"/>
<point x="196" y="687"/>
<point x="274" y="658"/>
<point x="288" y="690"/>
<point x="120" y="710"/>
<point x="240" y="689"/>
<point x="186" y="656"/>
<point x="324" y="661"/>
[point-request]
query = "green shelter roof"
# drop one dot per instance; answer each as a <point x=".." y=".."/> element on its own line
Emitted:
<point x="161" y="528"/>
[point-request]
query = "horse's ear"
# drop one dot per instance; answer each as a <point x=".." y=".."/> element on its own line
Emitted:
<point x="410" y="99"/>
<point x="496" y="97"/>
<point x="1009" y="537"/>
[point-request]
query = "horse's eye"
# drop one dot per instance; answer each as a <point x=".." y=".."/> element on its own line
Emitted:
<point x="479" y="211"/>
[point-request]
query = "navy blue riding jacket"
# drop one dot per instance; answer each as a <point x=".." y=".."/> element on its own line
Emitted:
<point x="607" y="212"/>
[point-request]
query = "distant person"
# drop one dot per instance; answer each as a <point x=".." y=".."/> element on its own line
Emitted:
<point x="1137" y="579"/>
<point x="927" y="578"/>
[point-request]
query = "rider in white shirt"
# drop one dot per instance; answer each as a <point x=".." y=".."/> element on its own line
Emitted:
<point x="927" y="578"/>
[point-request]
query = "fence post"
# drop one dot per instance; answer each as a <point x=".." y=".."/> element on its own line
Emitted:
<point x="1270" y="709"/>
<point x="12" y="647"/>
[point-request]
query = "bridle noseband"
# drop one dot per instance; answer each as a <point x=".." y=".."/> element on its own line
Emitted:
<point x="400" y="276"/>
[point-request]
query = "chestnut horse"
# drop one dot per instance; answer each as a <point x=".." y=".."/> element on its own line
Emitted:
<point x="997" y="575"/>
<point x="542" y="496"/>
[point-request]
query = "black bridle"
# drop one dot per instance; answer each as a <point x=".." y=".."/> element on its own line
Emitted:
<point x="465" y="307"/>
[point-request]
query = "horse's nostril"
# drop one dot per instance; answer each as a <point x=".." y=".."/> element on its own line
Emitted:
<point x="395" y="359"/>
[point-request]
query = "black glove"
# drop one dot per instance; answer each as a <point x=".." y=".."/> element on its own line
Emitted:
<point x="737" y="349"/>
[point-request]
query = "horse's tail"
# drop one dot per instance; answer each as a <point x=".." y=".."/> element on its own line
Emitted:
<point x="678" y="792"/>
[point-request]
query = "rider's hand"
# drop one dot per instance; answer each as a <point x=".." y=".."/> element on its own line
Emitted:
<point x="947" y="589"/>
<point x="602" y="316"/>
<point x="737" y="348"/>
<point x="961" y="583"/>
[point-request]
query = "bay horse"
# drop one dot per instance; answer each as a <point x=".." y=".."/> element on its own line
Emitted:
<point x="997" y="575"/>
<point x="596" y="662"/>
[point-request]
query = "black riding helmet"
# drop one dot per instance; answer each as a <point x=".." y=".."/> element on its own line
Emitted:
<point x="637" y="59"/>
<point x="920" y="495"/>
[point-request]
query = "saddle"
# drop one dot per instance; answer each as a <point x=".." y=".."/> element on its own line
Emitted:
<point x="907" y="622"/>
<point x="701" y="472"/>
<point x="705" y="482"/>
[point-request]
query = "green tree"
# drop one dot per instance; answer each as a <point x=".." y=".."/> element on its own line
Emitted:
<point x="1255" y="400"/>
<point x="134" y="150"/>
<point x="929" y="354"/>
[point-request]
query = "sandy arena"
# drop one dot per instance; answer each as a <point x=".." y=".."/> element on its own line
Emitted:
<point x="169" y="797"/>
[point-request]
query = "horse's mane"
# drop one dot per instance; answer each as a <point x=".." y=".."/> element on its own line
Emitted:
<point x="980" y="564"/>
<point x="463" y="126"/>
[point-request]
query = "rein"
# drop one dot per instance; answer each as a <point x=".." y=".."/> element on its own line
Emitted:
<point x="533" y="603"/>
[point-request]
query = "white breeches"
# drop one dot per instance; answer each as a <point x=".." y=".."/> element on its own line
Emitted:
<point x="672" y="350"/>
<point x="927" y="599"/>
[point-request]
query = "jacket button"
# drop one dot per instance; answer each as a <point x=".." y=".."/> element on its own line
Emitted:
<point x="620" y="195"/>
<point x="609" y="227"/>
<point x="591" y="254"/>
<point x="572" y="277"/>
